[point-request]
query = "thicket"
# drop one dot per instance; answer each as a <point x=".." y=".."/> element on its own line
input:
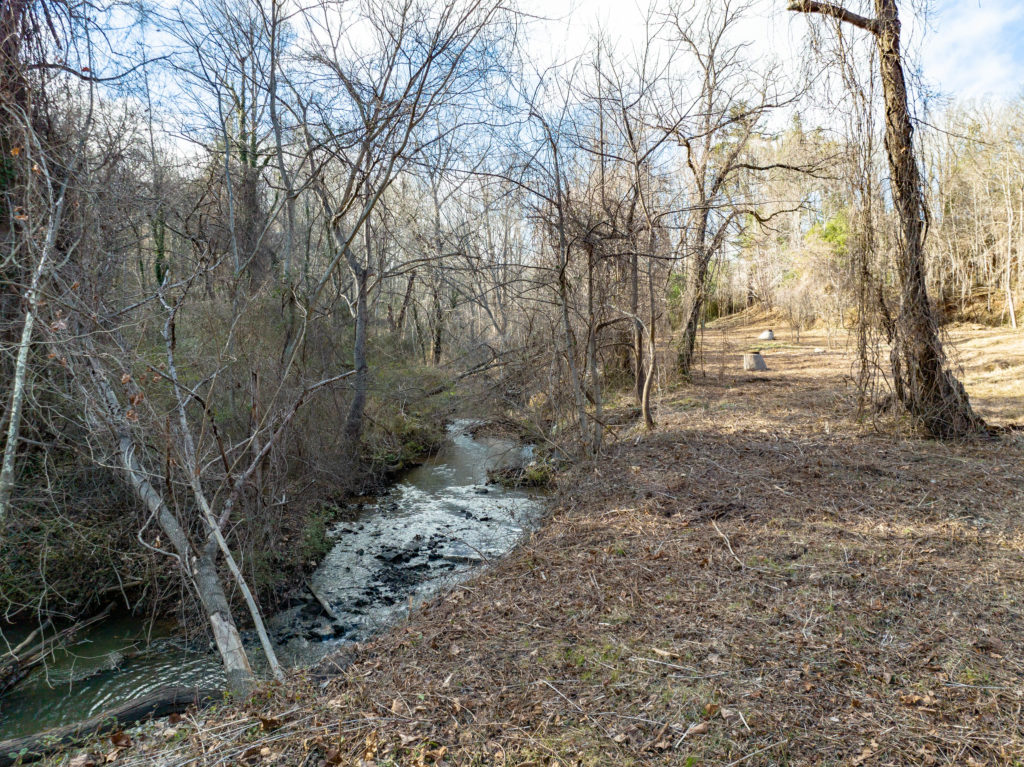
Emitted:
<point x="806" y="269"/>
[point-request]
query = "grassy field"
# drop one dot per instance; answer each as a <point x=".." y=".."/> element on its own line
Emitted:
<point x="761" y="581"/>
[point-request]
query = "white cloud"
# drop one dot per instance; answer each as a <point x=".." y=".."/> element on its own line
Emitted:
<point x="972" y="49"/>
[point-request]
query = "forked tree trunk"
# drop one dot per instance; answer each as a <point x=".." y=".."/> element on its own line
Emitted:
<point x="924" y="384"/>
<point x="202" y="569"/>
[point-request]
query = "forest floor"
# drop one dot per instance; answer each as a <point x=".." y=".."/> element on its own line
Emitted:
<point x="760" y="581"/>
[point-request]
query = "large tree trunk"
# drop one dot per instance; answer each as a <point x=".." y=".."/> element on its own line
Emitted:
<point x="924" y="384"/>
<point x="210" y="589"/>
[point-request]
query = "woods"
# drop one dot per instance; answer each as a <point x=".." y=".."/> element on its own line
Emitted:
<point x="257" y="254"/>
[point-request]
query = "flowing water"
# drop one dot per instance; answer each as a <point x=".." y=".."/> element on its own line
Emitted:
<point x="437" y="525"/>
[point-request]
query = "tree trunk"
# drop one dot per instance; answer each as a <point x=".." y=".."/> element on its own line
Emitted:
<point x="210" y="589"/>
<point x="595" y="378"/>
<point x="17" y="401"/>
<point x="1009" y="259"/>
<point x="652" y="347"/>
<point x="570" y="340"/>
<point x="693" y="303"/>
<point x="927" y="388"/>
<point x="924" y="384"/>
<point x="400" y="322"/>
<point x="354" y="420"/>
<point x="437" y="338"/>
<point x="638" y="329"/>
<point x="202" y="569"/>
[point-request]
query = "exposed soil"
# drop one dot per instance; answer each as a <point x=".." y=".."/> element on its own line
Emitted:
<point x="760" y="581"/>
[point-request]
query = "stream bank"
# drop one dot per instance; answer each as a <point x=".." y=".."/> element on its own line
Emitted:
<point x="757" y="582"/>
<point x="436" y="525"/>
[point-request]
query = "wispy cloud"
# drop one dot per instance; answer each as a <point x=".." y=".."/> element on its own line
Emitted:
<point x="976" y="49"/>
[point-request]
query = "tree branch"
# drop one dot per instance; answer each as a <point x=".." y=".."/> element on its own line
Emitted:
<point x="836" y="12"/>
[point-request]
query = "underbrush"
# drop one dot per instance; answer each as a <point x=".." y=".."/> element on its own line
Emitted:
<point x="72" y="536"/>
<point x="535" y="474"/>
<point x="68" y="546"/>
<point x="983" y="307"/>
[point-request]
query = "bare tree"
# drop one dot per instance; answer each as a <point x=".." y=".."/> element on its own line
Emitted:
<point x="727" y="112"/>
<point x="924" y="383"/>
<point x="35" y="243"/>
<point x="368" y="120"/>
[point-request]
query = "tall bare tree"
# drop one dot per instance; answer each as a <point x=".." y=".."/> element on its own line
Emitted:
<point x="727" y="111"/>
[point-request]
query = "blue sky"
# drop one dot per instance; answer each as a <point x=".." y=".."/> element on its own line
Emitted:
<point x="972" y="49"/>
<point x="975" y="48"/>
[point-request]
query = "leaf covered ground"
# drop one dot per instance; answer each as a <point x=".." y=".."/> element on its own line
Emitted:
<point x="761" y="581"/>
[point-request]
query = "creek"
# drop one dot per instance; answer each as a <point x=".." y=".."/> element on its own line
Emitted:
<point x="437" y="525"/>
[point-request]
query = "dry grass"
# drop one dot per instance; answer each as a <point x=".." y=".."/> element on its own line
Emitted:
<point x="992" y="360"/>
<point x="758" y="582"/>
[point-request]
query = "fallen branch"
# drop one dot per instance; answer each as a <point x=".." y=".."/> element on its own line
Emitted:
<point x="755" y="753"/>
<point x="325" y="605"/>
<point x="163" y="702"/>
<point x="743" y="565"/>
<point x="20" y="663"/>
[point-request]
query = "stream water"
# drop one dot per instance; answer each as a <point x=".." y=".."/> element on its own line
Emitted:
<point x="435" y="526"/>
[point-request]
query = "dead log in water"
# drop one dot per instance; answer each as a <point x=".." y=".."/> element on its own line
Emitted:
<point x="20" y="662"/>
<point x="163" y="702"/>
<point x="339" y="624"/>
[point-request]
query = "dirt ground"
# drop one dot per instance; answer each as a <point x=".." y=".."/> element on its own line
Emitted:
<point x="760" y="581"/>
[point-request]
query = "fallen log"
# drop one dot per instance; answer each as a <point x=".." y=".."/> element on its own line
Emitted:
<point x="27" y="642"/>
<point x="160" y="703"/>
<point x="326" y="606"/>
